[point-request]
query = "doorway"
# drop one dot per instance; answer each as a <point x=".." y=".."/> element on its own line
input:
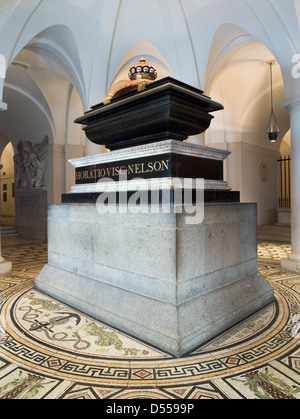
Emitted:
<point x="7" y="187"/>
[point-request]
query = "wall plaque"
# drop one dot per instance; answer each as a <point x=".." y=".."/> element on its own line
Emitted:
<point x="263" y="172"/>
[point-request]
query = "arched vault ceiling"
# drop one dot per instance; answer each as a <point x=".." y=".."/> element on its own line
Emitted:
<point x="90" y="38"/>
<point x="240" y="79"/>
<point x="217" y="45"/>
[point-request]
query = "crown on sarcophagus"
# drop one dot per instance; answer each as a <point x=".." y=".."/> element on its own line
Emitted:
<point x="142" y="71"/>
<point x="140" y="76"/>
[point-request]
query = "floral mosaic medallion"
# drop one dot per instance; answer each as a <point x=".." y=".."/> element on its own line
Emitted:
<point x="22" y="385"/>
<point x="266" y="384"/>
<point x="49" y="350"/>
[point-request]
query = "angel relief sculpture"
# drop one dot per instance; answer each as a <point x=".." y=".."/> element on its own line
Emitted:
<point x="30" y="164"/>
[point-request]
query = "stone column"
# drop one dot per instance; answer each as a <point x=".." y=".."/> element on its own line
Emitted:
<point x="293" y="263"/>
<point x="3" y="106"/>
<point x="5" y="267"/>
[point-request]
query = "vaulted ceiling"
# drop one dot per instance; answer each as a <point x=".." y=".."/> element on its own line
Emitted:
<point x="64" y="55"/>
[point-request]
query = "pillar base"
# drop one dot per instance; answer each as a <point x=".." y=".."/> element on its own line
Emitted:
<point x="5" y="268"/>
<point x="291" y="265"/>
<point x="3" y="106"/>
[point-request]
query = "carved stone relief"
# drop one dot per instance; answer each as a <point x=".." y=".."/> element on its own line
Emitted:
<point x="30" y="164"/>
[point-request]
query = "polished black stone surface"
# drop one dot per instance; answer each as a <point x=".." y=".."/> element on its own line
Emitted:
<point x="167" y="109"/>
<point x="156" y="166"/>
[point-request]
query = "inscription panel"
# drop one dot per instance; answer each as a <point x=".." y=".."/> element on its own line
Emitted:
<point x="146" y="168"/>
<point x="165" y="165"/>
<point x="28" y="202"/>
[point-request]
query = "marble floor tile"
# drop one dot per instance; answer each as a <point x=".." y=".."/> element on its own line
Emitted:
<point x="51" y="351"/>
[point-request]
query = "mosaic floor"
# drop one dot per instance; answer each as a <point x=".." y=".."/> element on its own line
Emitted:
<point x="48" y="350"/>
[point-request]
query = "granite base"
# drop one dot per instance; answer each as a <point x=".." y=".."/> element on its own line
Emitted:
<point x="172" y="284"/>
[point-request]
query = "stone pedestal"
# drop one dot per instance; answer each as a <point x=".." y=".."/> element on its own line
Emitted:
<point x="31" y="213"/>
<point x="152" y="270"/>
<point x="155" y="277"/>
<point x="284" y="216"/>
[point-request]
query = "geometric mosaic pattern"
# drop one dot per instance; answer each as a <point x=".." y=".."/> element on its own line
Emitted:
<point x="49" y="350"/>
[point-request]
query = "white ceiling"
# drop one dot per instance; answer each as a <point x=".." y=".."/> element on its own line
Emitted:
<point x="66" y="55"/>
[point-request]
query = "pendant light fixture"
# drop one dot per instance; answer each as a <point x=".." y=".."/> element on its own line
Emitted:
<point x="273" y="128"/>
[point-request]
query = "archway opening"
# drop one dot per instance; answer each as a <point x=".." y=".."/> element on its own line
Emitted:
<point x="238" y="76"/>
<point x="42" y="105"/>
<point x="7" y="187"/>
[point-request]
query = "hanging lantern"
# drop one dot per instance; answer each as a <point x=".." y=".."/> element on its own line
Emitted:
<point x="273" y="128"/>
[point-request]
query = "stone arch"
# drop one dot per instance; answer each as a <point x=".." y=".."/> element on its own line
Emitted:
<point x="45" y="79"/>
<point x="227" y="39"/>
<point x="4" y="141"/>
<point x="7" y="184"/>
<point x="238" y="76"/>
<point x="56" y="46"/>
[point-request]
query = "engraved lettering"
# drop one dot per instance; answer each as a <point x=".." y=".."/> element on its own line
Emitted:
<point x="165" y="164"/>
<point x="131" y="169"/>
<point x="86" y="174"/>
<point x="157" y="166"/>
<point x="137" y="168"/>
<point x="150" y="165"/>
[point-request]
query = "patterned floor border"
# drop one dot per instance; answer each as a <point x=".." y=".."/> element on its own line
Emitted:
<point x="48" y="350"/>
